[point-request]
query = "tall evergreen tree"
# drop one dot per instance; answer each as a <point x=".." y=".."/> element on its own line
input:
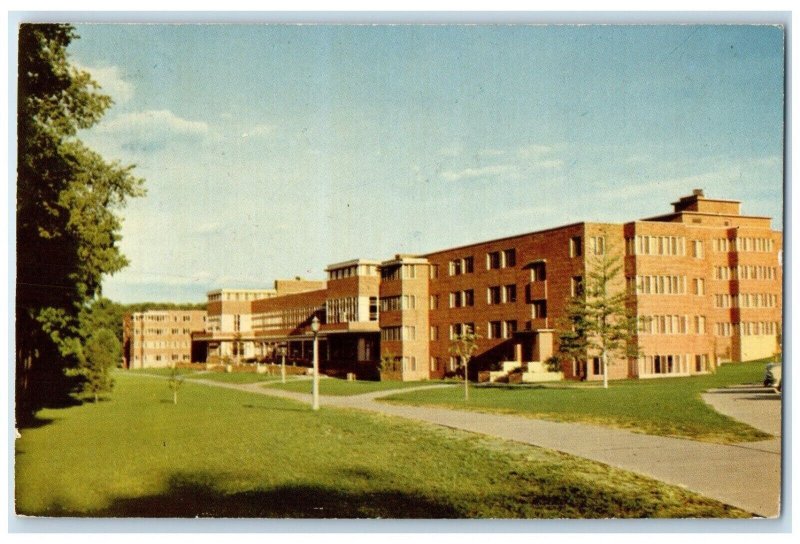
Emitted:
<point x="67" y="202"/>
<point x="598" y="321"/>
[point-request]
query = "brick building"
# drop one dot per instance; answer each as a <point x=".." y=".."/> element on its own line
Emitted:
<point x="159" y="338"/>
<point x="705" y="283"/>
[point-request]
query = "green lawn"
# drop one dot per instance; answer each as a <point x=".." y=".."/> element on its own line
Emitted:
<point x="665" y="406"/>
<point x="227" y="453"/>
<point x="338" y="387"/>
<point x="160" y="371"/>
<point x="235" y="377"/>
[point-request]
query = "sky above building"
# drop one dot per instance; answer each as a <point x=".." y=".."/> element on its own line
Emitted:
<point x="270" y="151"/>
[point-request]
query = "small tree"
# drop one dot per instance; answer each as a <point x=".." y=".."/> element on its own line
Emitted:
<point x="464" y="347"/>
<point x="95" y="360"/>
<point x="598" y="319"/>
<point x="175" y="382"/>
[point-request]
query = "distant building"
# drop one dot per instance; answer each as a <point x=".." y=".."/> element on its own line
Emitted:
<point x="705" y="284"/>
<point x="160" y="338"/>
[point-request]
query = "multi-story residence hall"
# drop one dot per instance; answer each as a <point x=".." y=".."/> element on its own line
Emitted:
<point x="159" y="338"/>
<point x="705" y="284"/>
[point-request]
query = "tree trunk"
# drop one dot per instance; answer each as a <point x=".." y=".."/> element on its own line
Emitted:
<point x="605" y="370"/>
<point x="175" y="397"/>
<point x="95" y="398"/>
<point x="466" y="379"/>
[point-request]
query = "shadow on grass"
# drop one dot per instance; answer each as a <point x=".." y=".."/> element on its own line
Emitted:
<point x="276" y="408"/>
<point x="191" y="495"/>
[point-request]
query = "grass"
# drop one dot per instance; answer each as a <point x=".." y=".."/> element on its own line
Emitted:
<point x="235" y="377"/>
<point x="666" y="406"/>
<point x="160" y="371"/>
<point x="227" y="453"/>
<point x="338" y="387"/>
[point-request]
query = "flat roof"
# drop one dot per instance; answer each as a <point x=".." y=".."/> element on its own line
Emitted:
<point x="226" y="290"/>
<point x="518" y="236"/>
<point x="351" y="262"/>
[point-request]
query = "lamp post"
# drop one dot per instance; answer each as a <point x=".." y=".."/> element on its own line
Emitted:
<point x="315" y="387"/>
<point x="282" y="351"/>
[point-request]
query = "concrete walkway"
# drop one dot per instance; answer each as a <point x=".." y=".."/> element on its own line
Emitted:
<point x="745" y="475"/>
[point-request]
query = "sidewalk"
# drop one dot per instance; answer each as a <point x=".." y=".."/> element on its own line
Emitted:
<point x="745" y="475"/>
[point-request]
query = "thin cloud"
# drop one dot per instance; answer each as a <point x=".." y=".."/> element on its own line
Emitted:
<point x="534" y="151"/>
<point x="111" y="81"/>
<point x="263" y="129"/>
<point x="481" y="172"/>
<point x="151" y="130"/>
<point x="452" y="150"/>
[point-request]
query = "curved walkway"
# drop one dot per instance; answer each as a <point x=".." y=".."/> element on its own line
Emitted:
<point x="745" y="475"/>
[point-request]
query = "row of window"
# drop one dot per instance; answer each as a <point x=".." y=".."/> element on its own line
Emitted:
<point x="158" y="332"/>
<point x="746" y="300"/>
<point x="671" y="324"/>
<point x="657" y="245"/>
<point x="161" y="344"/>
<point x="746" y="328"/>
<point x="395" y="303"/>
<point x="238" y="296"/>
<point x="174" y="357"/>
<point x="288" y="318"/>
<point x="398" y="272"/>
<point x="745" y="272"/>
<point x="661" y="285"/>
<point x="726" y="245"/>
<point x="506" y="258"/>
<point x="353" y="271"/>
<point x="396" y="334"/>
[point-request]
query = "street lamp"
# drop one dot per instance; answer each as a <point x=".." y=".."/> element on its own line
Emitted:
<point x="282" y="352"/>
<point x="315" y="390"/>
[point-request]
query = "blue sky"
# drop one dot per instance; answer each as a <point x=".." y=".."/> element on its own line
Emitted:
<point x="272" y="151"/>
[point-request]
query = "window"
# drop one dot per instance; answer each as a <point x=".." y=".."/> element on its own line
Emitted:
<point x="597" y="366"/>
<point x="598" y="245"/>
<point x="510" y="293"/>
<point x="434" y="364"/>
<point x="697" y="249"/>
<point x="373" y="308"/>
<point x="455" y="331"/>
<point x="237" y="322"/>
<point x="700" y="324"/>
<point x="409" y="271"/>
<point x="495" y="329"/>
<point x="434" y="333"/>
<point x="462" y="266"/>
<point x="699" y="286"/>
<point x="469" y="265"/>
<point x="510" y="328"/>
<point x="577" y="286"/>
<point x="493" y="260"/>
<point x="538" y="272"/>
<point x="494" y="295"/>
<point x="510" y="258"/>
<point x="468" y="297"/>
<point x="434" y="271"/>
<point x="455" y="299"/>
<point x="575" y="246"/>
<point x="539" y="309"/>
<point x="434" y="302"/>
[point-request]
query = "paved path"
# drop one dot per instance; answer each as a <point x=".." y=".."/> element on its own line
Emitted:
<point x="745" y="475"/>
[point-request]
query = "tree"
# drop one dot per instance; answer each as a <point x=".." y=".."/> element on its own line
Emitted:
<point x="598" y="320"/>
<point x="175" y="382"/>
<point x="464" y="347"/>
<point x="96" y="359"/>
<point x="67" y="200"/>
